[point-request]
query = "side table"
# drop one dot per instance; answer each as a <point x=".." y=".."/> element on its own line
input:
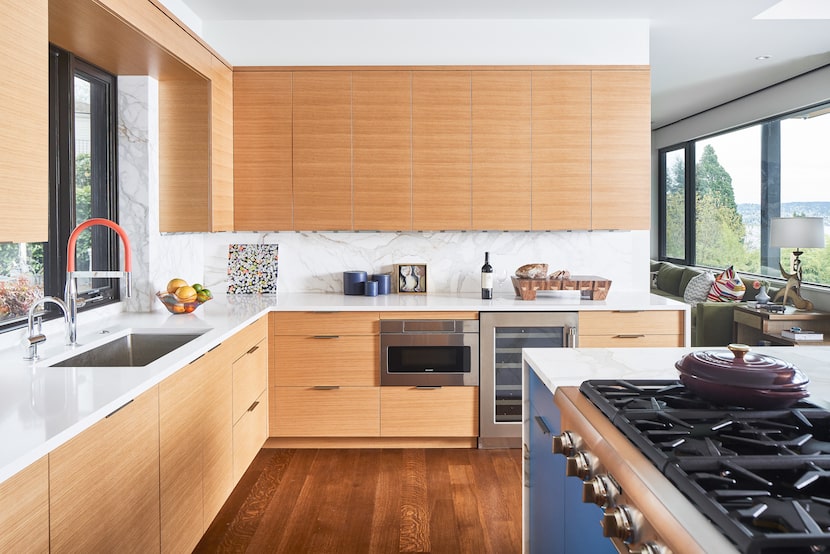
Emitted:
<point x="753" y="325"/>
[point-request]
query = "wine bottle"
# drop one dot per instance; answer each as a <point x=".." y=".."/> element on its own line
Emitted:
<point x="487" y="278"/>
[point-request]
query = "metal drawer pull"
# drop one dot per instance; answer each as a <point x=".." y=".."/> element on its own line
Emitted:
<point x="115" y="411"/>
<point x="428" y="387"/>
<point x="252" y="350"/>
<point x="326" y="387"/>
<point x="628" y="311"/>
<point x="326" y="337"/>
<point x="540" y="421"/>
<point x="629" y="336"/>
<point x="253" y="406"/>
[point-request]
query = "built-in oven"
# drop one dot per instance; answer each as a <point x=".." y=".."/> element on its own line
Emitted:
<point x="429" y="353"/>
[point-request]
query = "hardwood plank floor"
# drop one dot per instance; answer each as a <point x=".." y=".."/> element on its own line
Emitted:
<point x="373" y="501"/>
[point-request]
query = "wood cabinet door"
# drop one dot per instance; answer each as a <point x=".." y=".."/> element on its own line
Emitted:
<point x="262" y="136"/>
<point x="621" y="149"/>
<point x="104" y="483"/>
<point x="322" y="152"/>
<point x="334" y="412"/>
<point x="24" y="110"/>
<point x="327" y="360"/>
<point x="216" y="429"/>
<point x="561" y="150"/>
<point x="501" y="150"/>
<point x="24" y="510"/>
<point x="441" y="151"/>
<point x="426" y="412"/>
<point x="180" y="459"/>
<point x="221" y="147"/>
<point x="250" y="378"/>
<point x="382" y="150"/>
<point x="249" y="434"/>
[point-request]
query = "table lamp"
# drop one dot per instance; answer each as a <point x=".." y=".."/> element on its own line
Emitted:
<point x="796" y="233"/>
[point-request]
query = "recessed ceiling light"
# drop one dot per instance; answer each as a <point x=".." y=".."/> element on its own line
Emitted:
<point x="762" y="58"/>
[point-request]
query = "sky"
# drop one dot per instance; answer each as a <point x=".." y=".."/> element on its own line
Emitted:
<point x="805" y="160"/>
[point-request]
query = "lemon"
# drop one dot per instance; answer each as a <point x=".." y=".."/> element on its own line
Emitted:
<point x="186" y="294"/>
<point x="175" y="284"/>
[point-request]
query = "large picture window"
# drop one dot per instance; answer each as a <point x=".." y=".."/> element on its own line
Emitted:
<point x="718" y="194"/>
<point x="82" y="175"/>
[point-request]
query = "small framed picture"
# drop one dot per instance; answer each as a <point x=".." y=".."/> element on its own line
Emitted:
<point x="410" y="278"/>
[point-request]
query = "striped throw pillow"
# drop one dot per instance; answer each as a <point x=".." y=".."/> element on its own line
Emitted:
<point x="727" y="288"/>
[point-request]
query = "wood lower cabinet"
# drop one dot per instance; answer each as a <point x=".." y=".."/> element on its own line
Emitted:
<point x="615" y="329"/>
<point x="24" y="512"/>
<point x="249" y="434"/>
<point x="104" y="483"/>
<point x="501" y="138"/>
<point x="326" y="411"/>
<point x="429" y="412"/>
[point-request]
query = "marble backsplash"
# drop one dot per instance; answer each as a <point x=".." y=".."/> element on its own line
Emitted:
<point x="315" y="261"/>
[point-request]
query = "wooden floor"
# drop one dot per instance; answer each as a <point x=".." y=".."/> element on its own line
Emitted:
<point x="384" y="501"/>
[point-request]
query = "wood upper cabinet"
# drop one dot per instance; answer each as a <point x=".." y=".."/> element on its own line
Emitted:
<point x="104" y="483"/>
<point x="441" y="151"/>
<point x="621" y="149"/>
<point x="382" y="150"/>
<point x="561" y="150"/>
<point x="24" y="110"/>
<point x="262" y="136"/>
<point x="322" y="150"/>
<point x="501" y="150"/>
<point x="24" y="511"/>
<point x="221" y="146"/>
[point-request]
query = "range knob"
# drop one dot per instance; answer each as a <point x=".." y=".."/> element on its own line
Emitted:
<point x="581" y="464"/>
<point x="648" y="548"/>
<point x="601" y="490"/>
<point x="567" y="443"/>
<point x="618" y="523"/>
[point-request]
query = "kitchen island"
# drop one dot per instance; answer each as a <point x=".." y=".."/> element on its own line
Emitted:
<point x="554" y="369"/>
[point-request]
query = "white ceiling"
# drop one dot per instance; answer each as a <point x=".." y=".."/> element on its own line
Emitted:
<point x="702" y="52"/>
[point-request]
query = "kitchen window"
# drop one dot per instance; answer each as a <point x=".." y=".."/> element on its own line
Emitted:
<point x="718" y="194"/>
<point x="82" y="184"/>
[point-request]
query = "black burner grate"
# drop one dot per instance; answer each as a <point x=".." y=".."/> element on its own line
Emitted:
<point x="763" y="477"/>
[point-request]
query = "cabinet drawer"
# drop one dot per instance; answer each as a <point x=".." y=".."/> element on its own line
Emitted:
<point x="339" y="412"/>
<point x="654" y="322"/>
<point x="249" y="434"/>
<point x="310" y="361"/>
<point x="250" y="376"/>
<point x="245" y="338"/>
<point x="441" y="412"/>
<point x="326" y="323"/>
<point x="629" y="340"/>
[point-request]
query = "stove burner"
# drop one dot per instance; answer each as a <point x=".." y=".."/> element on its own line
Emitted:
<point x="762" y="476"/>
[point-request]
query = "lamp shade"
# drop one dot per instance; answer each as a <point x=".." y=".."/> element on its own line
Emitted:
<point x="796" y="232"/>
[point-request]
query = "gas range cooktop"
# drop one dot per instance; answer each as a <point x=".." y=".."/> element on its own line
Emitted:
<point x="763" y="477"/>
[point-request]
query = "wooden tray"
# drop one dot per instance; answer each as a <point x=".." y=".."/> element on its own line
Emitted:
<point x="590" y="287"/>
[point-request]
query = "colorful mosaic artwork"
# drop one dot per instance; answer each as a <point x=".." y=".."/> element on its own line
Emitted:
<point x="252" y="268"/>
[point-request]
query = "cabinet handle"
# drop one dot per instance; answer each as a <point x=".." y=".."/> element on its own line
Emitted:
<point x="252" y="350"/>
<point x="540" y="421"/>
<point x="628" y="311"/>
<point x="326" y="337"/>
<point x="629" y="336"/>
<point x="326" y="387"/>
<point x="427" y="387"/>
<point x="253" y="406"/>
<point x="115" y="411"/>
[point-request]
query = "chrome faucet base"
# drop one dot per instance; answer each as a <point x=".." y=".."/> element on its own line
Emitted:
<point x="36" y="338"/>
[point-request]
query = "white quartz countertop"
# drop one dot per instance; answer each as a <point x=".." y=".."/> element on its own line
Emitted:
<point x="42" y="407"/>
<point x="559" y="367"/>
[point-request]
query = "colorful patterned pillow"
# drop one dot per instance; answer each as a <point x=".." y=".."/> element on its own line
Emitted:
<point x="727" y="288"/>
<point x="697" y="290"/>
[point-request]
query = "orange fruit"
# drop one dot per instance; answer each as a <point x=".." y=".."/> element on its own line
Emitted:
<point x="175" y="284"/>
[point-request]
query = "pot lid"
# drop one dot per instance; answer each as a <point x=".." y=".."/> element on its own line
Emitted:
<point x="737" y="358"/>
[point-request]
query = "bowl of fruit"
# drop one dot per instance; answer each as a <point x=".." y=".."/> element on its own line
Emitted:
<point x="182" y="298"/>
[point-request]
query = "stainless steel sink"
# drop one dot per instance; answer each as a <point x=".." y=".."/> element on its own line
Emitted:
<point x="131" y="350"/>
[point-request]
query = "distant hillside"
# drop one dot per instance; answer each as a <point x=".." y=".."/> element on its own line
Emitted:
<point x="751" y="214"/>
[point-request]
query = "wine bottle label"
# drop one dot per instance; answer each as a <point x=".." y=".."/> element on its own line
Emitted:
<point x="486" y="280"/>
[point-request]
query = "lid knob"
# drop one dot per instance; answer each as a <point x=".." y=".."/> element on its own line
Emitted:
<point x="739" y="350"/>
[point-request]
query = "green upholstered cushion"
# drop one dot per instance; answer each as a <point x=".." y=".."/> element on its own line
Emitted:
<point x="688" y="275"/>
<point x="668" y="279"/>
